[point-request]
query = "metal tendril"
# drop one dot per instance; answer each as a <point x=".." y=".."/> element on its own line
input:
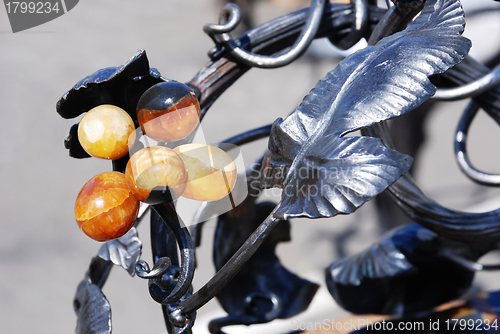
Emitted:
<point x="461" y="149"/>
<point x="183" y="238"/>
<point x="471" y="89"/>
<point x="159" y="269"/>
<point x="220" y="33"/>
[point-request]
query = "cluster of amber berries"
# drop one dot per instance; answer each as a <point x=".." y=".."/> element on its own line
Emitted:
<point x="107" y="205"/>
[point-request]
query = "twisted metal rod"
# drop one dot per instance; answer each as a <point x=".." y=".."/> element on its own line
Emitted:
<point x="220" y="34"/>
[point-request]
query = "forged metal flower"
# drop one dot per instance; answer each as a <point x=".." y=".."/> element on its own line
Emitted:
<point x="120" y="86"/>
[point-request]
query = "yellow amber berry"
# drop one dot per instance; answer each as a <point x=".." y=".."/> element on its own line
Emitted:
<point x="104" y="132"/>
<point x="211" y="172"/>
<point x="156" y="175"/>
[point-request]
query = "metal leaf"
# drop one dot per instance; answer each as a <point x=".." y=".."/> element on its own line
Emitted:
<point x="409" y="270"/>
<point x="384" y="259"/>
<point x="124" y="251"/>
<point x="342" y="175"/>
<point x="388" y="79"/>
<point x="121" y="86"/>
<point x="93" y="310"/>
<point x="372" y="85"/>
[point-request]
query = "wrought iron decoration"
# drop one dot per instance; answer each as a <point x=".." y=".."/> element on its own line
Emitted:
<point x="321" y="171"/>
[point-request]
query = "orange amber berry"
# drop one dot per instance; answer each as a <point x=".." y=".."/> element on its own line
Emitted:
<point x="104" y="132"/>
<point x="156" y="175"/>
<point x="211" y="172"/>
<point x="168" y="111"/>
<point x="105" y="209"/>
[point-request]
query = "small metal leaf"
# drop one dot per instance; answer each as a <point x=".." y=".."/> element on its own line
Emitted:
<point x="372" y="85"/>
<point x="124" y="251"/>
<point x="93" y="310"/>
<point x="121" y="86"/>
<point x="384" y="259"/>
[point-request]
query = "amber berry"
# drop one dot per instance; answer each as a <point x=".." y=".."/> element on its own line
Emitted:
<point x="168" y="111"/>
<point x="105" y="209"/>
<point x="104" y="132"/>
<point x="211" y="172"/>
<point x="156" y="175"/>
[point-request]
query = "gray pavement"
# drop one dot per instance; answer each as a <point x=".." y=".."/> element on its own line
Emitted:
<point x="43" y="255"/>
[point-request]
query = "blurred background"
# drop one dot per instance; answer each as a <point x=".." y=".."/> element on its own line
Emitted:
<point x="44" y="256"/>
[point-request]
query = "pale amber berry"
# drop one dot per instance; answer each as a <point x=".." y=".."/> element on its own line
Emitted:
<point x="104" y="132"/>
<point x="156" y="175"/>
<point x="211" y="172"/>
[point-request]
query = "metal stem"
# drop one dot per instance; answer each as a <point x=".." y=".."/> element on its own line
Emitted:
<point x="230" y="269"/>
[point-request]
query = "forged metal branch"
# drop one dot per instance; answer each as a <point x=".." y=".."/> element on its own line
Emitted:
<point x="221" y="33"/>
<point x="249" y="136"/>
<point x="471" y="89"/>
<point x="230" y="269"/>
<point x="461" y="149"/>
<point x="406" y="194"/>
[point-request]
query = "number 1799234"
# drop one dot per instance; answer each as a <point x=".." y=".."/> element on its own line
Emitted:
<point x="32" y="7"/>
<point x="471" y="324"/>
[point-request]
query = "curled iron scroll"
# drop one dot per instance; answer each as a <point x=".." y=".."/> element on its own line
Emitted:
<point x="221" y="34"/>
<point x="471" y="89"/>
<point x="461" y="149"/>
